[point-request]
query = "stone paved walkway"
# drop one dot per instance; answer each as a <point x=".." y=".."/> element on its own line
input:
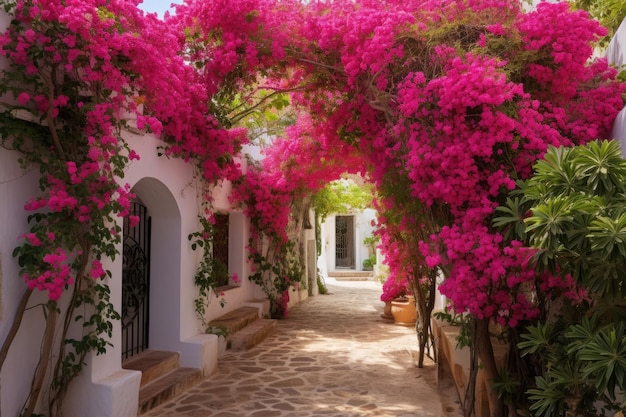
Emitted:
<point x="332" y="356"/>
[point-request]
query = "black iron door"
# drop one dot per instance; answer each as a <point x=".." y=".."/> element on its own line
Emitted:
<point x="136" y="283"/>
<point x="344" y="241"/>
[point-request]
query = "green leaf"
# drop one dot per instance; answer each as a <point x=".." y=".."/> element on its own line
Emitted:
<point x="537" y="340"/>
<point x="511" y="223"/>
<point x="547" y="399"/>
<point x="608" y="237"/>
<point x="605" y="359"/>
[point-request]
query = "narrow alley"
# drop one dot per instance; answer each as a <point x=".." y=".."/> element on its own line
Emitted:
<point x="332" y="356"/>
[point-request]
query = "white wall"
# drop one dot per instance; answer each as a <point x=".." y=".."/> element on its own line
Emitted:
<point x="615" y="52"/>
<point x="16" y="188"/>
<point x="616" y="55"/>
<point x="365" y="229"/>
<point x="308" y="285"/>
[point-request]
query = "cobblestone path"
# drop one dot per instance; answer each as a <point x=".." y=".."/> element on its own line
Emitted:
<point x="332" y="356"/>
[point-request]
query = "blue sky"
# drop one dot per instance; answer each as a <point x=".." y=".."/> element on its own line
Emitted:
<point x="158" y="6"/>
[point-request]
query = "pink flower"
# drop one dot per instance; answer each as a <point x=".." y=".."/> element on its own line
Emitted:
<point x="133" y="220"/>
<point x="23" y="98"/>
<point x="33" y="239"/>
<point x="30" y="35"/>
<point x="97" y="271"/>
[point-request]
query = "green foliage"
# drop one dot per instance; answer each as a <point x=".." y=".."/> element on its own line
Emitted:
<point x="506" y="385"/>
<point x="268" y="116"/>
<point x="577" y="201"/>
<point x="217" y="330"/>
<point x="97" y="324"/>
<point x="338" y="197"/>
<point x="321" y="285"/>
<point x="371" y="241"/>
<point x="278" y="268"/>
<point x="368" y="264"/>
<point x="583" y="364"/>
<point x="463" y="321"/>
<point x="573" y="211"/>
<point x="610" y="14"/>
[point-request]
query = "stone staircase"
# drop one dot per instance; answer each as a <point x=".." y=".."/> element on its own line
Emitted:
<point x="243" y="328"/>
<point x="162" y="378"/>
<point x="351" y="275"/>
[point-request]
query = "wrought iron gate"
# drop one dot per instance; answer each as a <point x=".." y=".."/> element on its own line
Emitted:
<point x="136" y="283"/>
<point x="344" y="241"/>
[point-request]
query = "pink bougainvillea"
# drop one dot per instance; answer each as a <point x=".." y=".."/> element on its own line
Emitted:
<point x="443" y="106"/>
<point x="445" y="126"/>
<point x="394" y="287"/>
<point x="431" y="109"/>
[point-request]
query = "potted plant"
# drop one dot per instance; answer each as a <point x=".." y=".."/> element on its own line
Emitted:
<point x="393" y="289"/>
<point x="368" y="264"/>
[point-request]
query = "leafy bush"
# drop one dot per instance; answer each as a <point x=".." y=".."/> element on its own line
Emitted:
<point x="577" y="224"/>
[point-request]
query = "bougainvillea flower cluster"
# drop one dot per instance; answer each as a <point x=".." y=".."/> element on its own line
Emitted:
<point x="442" y="106"/>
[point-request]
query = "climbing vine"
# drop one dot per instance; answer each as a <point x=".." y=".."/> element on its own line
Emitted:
<point x="277" y="271"/>
<point x="211" y="272"/>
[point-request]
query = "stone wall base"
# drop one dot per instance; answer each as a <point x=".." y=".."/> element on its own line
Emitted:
<point x="455" y="363"/>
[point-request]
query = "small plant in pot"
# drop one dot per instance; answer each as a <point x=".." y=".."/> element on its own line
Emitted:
<point x="368" y="264"/>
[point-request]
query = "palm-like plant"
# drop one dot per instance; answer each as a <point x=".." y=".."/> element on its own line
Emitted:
<point x="573" y="211"/>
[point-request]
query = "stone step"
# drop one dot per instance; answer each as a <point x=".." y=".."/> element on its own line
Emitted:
<point x="351" y="275"/>
<point x="152" y="364"/>
<point x="167" y="387"/>
<point x="235" y="320"/>
<point x="251" y="335"/>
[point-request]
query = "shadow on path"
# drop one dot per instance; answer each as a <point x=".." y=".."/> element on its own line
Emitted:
<point x="332" y="356"/>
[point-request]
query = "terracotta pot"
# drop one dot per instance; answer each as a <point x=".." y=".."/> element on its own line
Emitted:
<point x="404" y="311"/>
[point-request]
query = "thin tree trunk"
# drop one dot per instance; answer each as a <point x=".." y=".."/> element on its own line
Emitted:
<point x="44" y="359"/>
<point x="470" y="392"/>
<point x="425" y="305"/>
<point x="15" y="326"/>
<point x="54" y="406"/>
<point x="485" y="353"/>
<point x="17" y="321"/>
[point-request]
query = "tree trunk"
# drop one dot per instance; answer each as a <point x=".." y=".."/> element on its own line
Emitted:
<point x="485" y="353"/>
<point x="44" y="359"/>
<point x="469" y="399"/>
<point x="15" y="326"/>
<point x="17" y="321"/>
<point x="425" y="302"/>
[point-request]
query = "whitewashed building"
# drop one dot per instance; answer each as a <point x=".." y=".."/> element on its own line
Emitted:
<point x="343" y="247"/>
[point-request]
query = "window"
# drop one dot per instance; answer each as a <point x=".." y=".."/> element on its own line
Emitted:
<point x="220" y="249"/>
